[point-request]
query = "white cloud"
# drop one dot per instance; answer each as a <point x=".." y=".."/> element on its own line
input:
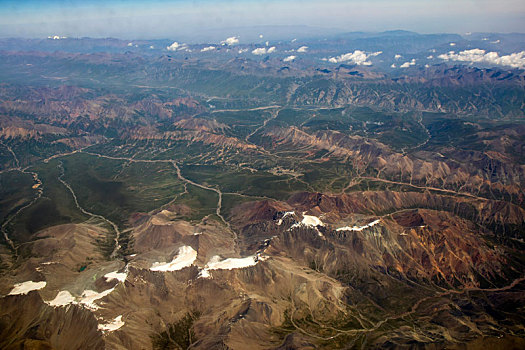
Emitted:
<point x="209" y="48"/>
<point x="152" y="47"/>
<point x="289" y="58"/>
<point x="243" y="50"/>
<point x="130" y="44"/>
<point x="259" y="51"/>
<point x="302" y="49"/>
<point x="172" y="47"/>
<point x="357" y="57"/>
<point x="408" y="64"/>
<point x="405" y="65"/>
<point x="495" y="42"/>
<point x="393" y="65"/>
<point x="261" y="36"/>
<point x="267" y="43"/>
<point x="430" y="57"/>
<point x="230" y="41"/>
<point x="515" y="60"/>
<point x="452" y="44"/>
<point x="263" y="50"/>
<point x="397" y="56"/>
<point x="294" y="40"/>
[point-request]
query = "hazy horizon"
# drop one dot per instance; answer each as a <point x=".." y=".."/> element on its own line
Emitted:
<point x="164" y="19"/>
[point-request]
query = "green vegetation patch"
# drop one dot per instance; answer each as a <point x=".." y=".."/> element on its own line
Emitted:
<point x="240" y="124"/>
<point x="15" y="191"/>
<point x="202" y="202"/>
<point x="115" y="188"/>
<point x="259" y="184"/>
<point x="56" y="206"/>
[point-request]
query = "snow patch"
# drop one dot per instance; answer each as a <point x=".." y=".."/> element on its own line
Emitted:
<point x="26" y="287"/>
<point x="185" y="258"/>
<point x="63" y="298"/>
<point x="310" y="220"/>
<point x="209" y="48"/>
<point x="89" y="297"/>
<point x="289" y="58"/>
<point x="121" y="277"/>
<point x="113" y="325"/>
<point x="285" y="215"/>
<point x="359" y="228"/>
<point x="216" y="263"/>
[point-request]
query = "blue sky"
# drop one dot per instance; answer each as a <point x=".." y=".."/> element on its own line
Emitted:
<point x="164" y="18"/>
